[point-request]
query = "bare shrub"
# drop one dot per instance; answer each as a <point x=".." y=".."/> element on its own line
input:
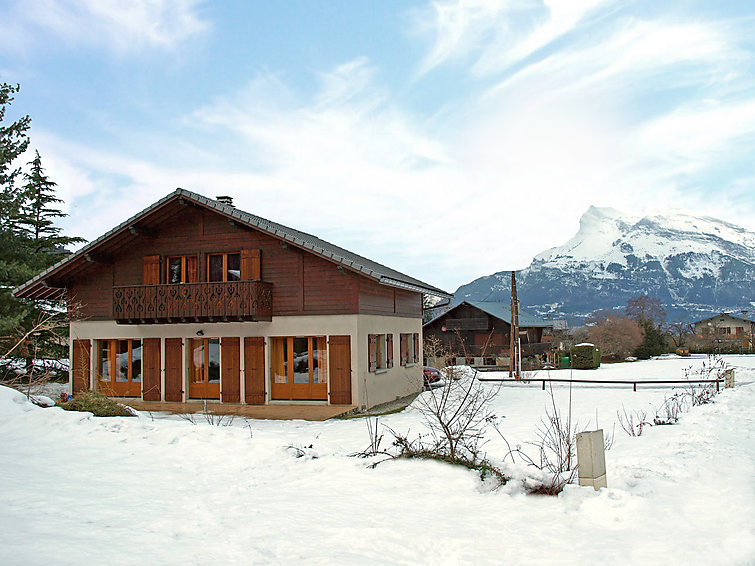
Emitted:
<point x="213" y="419"/>
<point x="556" y="447"/>
<point x="633" y="423"/>
<point x="668" y="413"/>
<point x="703" y="393"/>
<point x="457" y="415"/>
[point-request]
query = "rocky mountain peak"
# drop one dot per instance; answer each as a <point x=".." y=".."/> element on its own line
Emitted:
<point x="695" y="264"/>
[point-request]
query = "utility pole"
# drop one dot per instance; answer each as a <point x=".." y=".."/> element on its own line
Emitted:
<point x="515" y="345"/>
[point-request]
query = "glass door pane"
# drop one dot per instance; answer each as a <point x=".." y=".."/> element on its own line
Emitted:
<point x="196" y="360"/>
<point x="174" y="270"/>
<point x="319" y="360"/>
<point x="301" y="360"/>
<point x="213" y="360"/>
<point x="121" y="363"/>
<point x="233" y="267"/>
<point x="215" y="267"/>
<point x="136" y="360"/>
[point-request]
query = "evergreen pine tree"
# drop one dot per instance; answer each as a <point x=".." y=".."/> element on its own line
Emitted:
<point x="37" y="217"/>
<point x="29" y="239"/>
<point x="13" y="268"/>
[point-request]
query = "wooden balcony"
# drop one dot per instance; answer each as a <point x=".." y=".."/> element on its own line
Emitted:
<point x="193" y="302"/>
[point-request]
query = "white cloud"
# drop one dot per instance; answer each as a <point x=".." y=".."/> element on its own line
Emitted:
<point x="120" y="25"/>
<point x="497" y="34"/>
<point x="635" y="115"/>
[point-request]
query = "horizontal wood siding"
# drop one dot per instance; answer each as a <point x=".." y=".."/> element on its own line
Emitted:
<point x="326" y="289"/>
<point x="408" y="303"/>
<point x="381" y="299"/>
<point x="303" y="283"/>
<point x="94" y="294"/>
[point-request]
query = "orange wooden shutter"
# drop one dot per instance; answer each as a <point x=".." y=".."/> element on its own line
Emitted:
<point x="230" y="370"/>
<point x="372" y="341"/>
<point x="389" y="350"/>
<point x="151" y="270"/>
<point x="254" y="369"/>
<point x="174" y="370"/>
<point x="151" y="369"/>
<point x="340" y="370"/>
<point x="404" y="348"/>
<point x="416" y="347"/>
<point x="251" y="265"/>
<point x="192" y="269"/>
<point x="80" y="367"/>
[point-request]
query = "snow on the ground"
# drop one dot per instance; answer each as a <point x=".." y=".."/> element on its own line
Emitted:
<point x="85" y="490"/>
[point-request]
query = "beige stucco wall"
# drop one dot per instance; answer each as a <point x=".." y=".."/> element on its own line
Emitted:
<point x="368" y="389"/>
<point x="390" y="384"/>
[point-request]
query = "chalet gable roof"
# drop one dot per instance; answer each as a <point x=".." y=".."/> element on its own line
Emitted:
<point x="501" y="311"/>
<point x="38" y="288"/>
<point x="722" y="317"/>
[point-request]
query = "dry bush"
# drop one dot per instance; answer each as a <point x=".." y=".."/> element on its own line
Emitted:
<point x="669" y="412"/>
<point x="712" y="370"/>
<point x="618" y="336"/>
<point x="633" y="423"/>
<point x="97" y="404"/>
<point x="556" y="447"/>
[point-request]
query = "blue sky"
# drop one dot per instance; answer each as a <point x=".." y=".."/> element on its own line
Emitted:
<point x="448" y="140"/>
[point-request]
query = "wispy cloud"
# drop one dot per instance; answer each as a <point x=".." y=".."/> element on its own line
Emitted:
<point x="637" y="113"/>
<point x="122" y="26"/>
<point x="495" y="35"/>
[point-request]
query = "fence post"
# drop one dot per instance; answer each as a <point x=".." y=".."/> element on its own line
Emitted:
<point x="591" y="458"/>
<point x="728" y="378"/>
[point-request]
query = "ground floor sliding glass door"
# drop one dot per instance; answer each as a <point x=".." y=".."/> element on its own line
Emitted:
<point x="119" y="368"/>
<point x="298" y="368"/>
<point x="204" y="368"/>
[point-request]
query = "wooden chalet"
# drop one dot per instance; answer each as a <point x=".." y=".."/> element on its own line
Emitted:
<point x="195" y="300"/>
<point x="477" y="333"/>
<point x="724" y="333"/>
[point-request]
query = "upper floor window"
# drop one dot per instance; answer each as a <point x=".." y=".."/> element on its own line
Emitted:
<point x="181" y="269"/>
<point x="224" y="267"/>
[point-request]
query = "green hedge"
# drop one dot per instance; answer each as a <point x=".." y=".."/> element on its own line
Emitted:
<point x="585" y="356"/>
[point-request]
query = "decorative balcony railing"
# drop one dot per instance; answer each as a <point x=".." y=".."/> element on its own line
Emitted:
<point x="193" y="302"/>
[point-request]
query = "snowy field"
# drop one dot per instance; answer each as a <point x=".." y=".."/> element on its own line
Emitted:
<point x="157" y="490"/>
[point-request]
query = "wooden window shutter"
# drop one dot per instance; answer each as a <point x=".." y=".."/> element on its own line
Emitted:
<point x="389" y="350"/>
<point x="404" y="348"/>
<point x="151" y="270"/>
<point x="192" y="269"/>
<point x="251" y="265"/>
<point x="416" y="347"/>
<point x="373" y="351"/>
<point x="80" y="369"/>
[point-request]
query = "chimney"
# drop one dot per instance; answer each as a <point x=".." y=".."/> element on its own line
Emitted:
<point x="744" y="315"/>
<point x="225" y="200"/>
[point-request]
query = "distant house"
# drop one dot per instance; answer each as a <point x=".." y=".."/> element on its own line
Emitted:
<point x="195" y="300"/>
<point x="479" y="332"/>
<point x="724" y="332"/>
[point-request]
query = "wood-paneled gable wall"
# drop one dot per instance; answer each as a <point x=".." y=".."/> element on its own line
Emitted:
<point x="303" y="283"/>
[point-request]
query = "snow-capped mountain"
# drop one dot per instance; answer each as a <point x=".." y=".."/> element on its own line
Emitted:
<point x="696" y="266"/>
